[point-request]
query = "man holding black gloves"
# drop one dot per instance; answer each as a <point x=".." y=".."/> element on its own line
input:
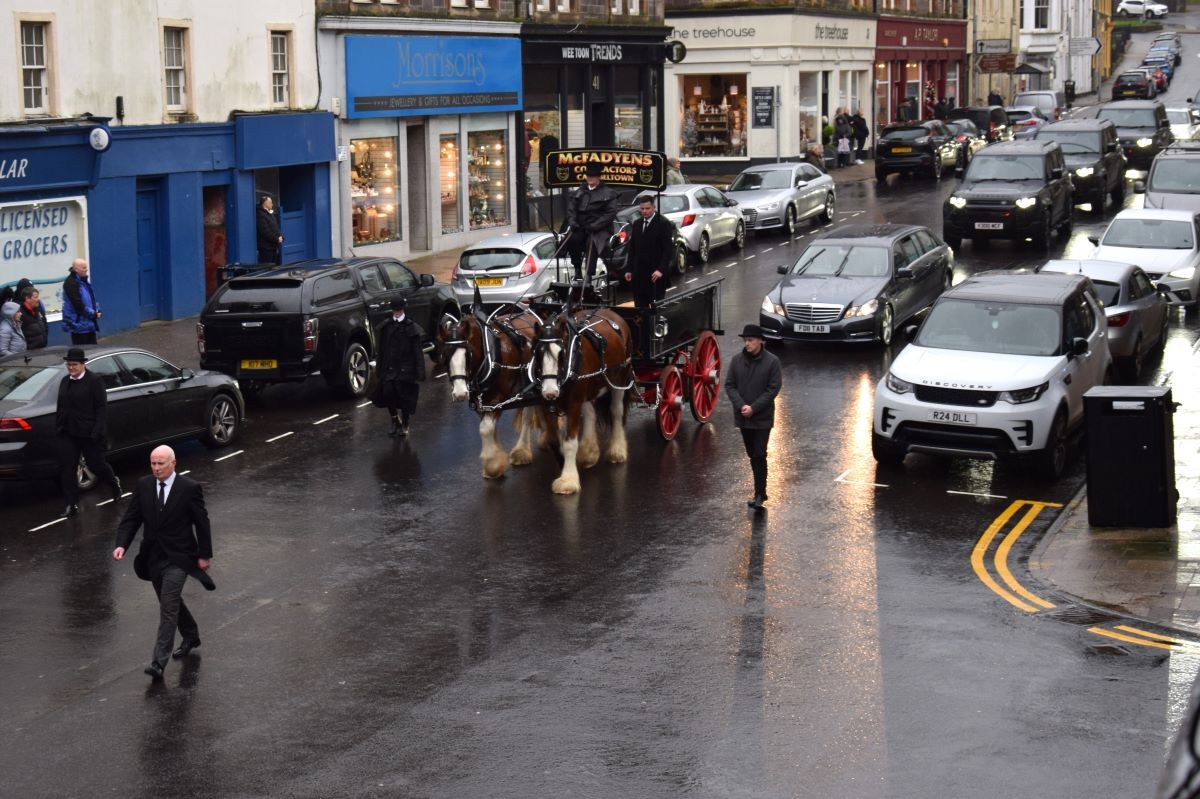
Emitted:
<point x="80" y="422"/>
<point x="590" y="216"/>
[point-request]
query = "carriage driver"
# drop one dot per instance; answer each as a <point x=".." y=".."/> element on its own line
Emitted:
<point x="590" y="215"/>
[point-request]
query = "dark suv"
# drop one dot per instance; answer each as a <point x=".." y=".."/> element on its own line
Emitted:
<point x="1092" y="152"/>
<point x="1143" y="127"/>
<point x="286" y="323"/>
<point x="1012" y="190"/>
<point x="925" y="148"/>
<point x="992" y="120"/>
<point x="1134" y="85"/>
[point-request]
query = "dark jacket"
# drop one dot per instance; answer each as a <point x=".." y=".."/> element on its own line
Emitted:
<point x="755" y="382"/>
<point x="180" y="532"/>
<point x="34" y="326"/>
<point x="268" y="230"/>
<point x="995" y="99"/>
<point x="649" y="250"/>
<point x="400" y="355"/>
<point x="82" y="408"/>
<point x="593" y="210"/>
<point x="859" y="124"/>
<point x="79" y="305"/>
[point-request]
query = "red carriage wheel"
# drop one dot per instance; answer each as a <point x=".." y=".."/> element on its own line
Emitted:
<point x="670" y="402"/>
<point x="705" y="376"/>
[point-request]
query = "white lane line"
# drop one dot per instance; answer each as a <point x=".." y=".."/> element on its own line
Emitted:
<point x="748" y="257"/>
<point x="768" y="249"/>
<point x="326" y="419"/>
<point x="693" y="280"/>
<point x="281" y="435"/>
<point x="230" y="455"/>
<point x="189" y="471"/>
<point x="47" y="524"/>
<point x="841" y="478"/>
<point x="729" y="266"/>
<point x="672" y="288"/>
<point x="363" y="404"/>
<point x="976" y="494"/>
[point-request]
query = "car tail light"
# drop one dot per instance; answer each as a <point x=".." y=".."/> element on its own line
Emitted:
<point x="991" y="129"/>
<point x="1119" y="320"/>
<point x="1057" y="114"/>
<point x="528" y="267"/>
<point x="454" y="273"/>
<point x="960" y="138"/>
<point x="687" y="220"/>
<point x="200" y="337"/>
<point x="15" y="423"/>
<point x="310" y="334"/>
<point x="623" y="235"/>
<point x="1027" y="123"/>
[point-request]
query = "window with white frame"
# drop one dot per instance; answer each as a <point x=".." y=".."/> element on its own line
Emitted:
<point x="564" y="5"/>
<point x="635" y="6"/>
<point x="483" y="3"/>
<point x="35" y="68"/>
<point x="617" y="6"/>
<point x="174" y="67"/>
<point x="280" y="69"/>
<point x="1041" y="14"/>
<point x="459" y="3"/>
<point x="543" y="5"/>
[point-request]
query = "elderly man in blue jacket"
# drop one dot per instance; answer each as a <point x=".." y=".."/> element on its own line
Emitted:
<point x="81" y="309"/>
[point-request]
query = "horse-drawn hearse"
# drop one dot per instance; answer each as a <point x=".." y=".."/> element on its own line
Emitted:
<point x="576" y="353"/>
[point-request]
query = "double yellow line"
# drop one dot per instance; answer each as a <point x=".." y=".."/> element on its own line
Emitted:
<point x="1021" y="597"/>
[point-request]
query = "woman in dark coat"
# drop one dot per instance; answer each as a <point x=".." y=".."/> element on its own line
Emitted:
<point x="400" y="366"/>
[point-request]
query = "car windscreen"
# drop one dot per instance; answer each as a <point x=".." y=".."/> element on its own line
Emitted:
<point x="1005" y="167"/>
<point x="1179" y="117"/>
<point x="752" y="181"/>
<point x="1175" y="175"/>
<point x="246" y="296"/>
<point x="1151" y="234"/>
<point x="904" y="134"/>
<point x="1010" y="328"/>
<point x="22" y="383"/>
<point x="1072" y="141"/>
<point x="841" y="259"/>
<point x="482" y="260"/>
<point x="1129" y="117"/>
<point x="979" y="117"/>
<point x="1109" y="293"/>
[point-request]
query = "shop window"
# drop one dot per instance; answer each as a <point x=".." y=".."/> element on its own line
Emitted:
<point x="951" y="92"/>
<point x="35" y="67"/>
<point x="1041" y="14"/>
<point x="543" y="123"/>
<point x="448" y="163"/>
<point x="635" y="6"/>
<point x="713" y="116"/>
<point x="375" y="214"/>
<point x="628" y="109"/>
<point x="810" y="106"/>
<point x="487" y="160"/>
<point x="617" y="6"/>
<point x="175" y="68"/>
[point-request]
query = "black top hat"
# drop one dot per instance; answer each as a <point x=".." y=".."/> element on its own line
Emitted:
<point x="399" y="303"/>
<point x="594" y="170"/>
<point x="751" y="331"/>
<point x="75" y="354"/>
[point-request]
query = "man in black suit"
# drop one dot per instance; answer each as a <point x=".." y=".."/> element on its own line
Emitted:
<point x="651" y="247"/>
<point x="79" y="420"/>
<point x="176" y="544"/>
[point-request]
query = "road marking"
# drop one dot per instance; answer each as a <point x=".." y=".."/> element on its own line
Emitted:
<point x="364" y="404"/>
<point x="189" y="471"/>
<point x="768" y="249"/>
<point x="230" y="455"/>
<point x="671" y="288"/>
<point x="47" y="524"/>
<point x="1148" y="634"/>
<point x="976" y="494"/>
<point x="1129" y="639"/>
<point x="984" y="544"/>
<point x="841" y="478"/>
<point x="748" y="257"/>
<point x="1002" y="558"/>
<point x="281" y="435"/>
<point x="729" y="266"/>
<point x="693" y="280"/>
<point x="326" y="419"/>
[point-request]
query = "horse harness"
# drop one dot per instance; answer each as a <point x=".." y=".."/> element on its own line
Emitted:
<point x="579" y="331"/>
<point x="490" y="364"/>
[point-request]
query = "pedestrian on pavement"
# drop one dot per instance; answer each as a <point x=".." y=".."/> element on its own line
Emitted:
<point x="752" y="383"/>
<point x="401" y="367"/>
<point x="81" y="309"/>
<point x="590" y="214"/>
<point x="940" y="109"/>
<point x="675" y="173"/>
<point x="270" y="240"/>
<point x="33" y="319"/>
<point x="651" y="248"/>
<point x="79" y="420"/>
<point x="859" y="124"/>
<point x="994" y="97"/>
<point x="176" y="544"/>
<point x="12" y="335"/>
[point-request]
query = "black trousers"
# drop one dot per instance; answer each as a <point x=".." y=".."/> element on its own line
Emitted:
<point x="578" y="249"/>
<point x="93" y="454"/>
<point x="83" y="338"/>
<point x="172" y="612"/>
<point x="270" y="256"/>
<point x="645" y="292"/>
<point x="755" y="442"/>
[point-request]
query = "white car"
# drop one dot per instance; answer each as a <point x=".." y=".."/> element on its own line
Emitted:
<point x="515" y="267"/>
<point x="1142" y="8"/>
<point x="998" y="369"/>
<point x="1165" y="243"/>
<point x="1185" y="122"/>
<point x="780" y="195"/>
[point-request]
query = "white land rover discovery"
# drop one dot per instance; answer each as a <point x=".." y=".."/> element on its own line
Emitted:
<point x="999" y="368"/>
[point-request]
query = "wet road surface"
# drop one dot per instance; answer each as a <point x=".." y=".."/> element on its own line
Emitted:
<point x="389" y="624"/>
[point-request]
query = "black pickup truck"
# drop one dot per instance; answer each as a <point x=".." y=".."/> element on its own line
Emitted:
<point x="312" y="317"/>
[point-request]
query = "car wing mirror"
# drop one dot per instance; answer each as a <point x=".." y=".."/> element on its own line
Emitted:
<point x="1094" y="240"/>
<point x="904" y="272"/>
<point x="801" y="183"/>
<point x="783" y="270"/>
<point x="186" y="375"/>
<point x="427" y="280"/>
<point x="1162" y="289"/>
<point x="614" y="241"/>
<point x="730" y="202"/>
<point x="1079" y="346"/>
<point x="1139" y="187"/>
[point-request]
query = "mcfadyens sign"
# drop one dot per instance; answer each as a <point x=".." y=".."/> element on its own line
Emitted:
<point x="638" y="169"/>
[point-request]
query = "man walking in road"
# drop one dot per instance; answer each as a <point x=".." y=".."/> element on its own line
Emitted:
<point x="651" y="247"/>
<point x="401" y="367"/>
<point x="270" y="239"/>
<point x="176" y="544"/>
<point x="752" y="383"/>
<point x="79" y="420"/>
<point x="81" y="311"/>
<point x="590" y="215"/>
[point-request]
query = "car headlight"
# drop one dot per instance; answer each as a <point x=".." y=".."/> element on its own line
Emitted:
<point x="1026" y="202"/>
<point x="769" y="207"/>
<point x="1023" y="395"/>
<point x="897" y="385"/>
<point x="868" y="308"/>
<point x="958" y="202"/>
<point x="1144" y="142"/>
<point x="1183" y="274"/>
<point x="770" y="307"/>
<point x="1085" y="171"/>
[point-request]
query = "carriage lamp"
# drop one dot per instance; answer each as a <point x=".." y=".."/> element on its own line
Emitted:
<point x="660" y="327"/>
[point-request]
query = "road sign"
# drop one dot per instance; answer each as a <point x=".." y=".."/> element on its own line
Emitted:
<point x="1005" y="62"/>
<point x="1085" y="46"/>
<point x="993" y="46"/>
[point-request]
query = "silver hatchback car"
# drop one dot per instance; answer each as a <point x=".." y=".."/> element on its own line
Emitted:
<point x="703" y="215"/>
<point x="780" y="195"/>
<point x="1135" y="308"/>
<point x="513" y="268"/>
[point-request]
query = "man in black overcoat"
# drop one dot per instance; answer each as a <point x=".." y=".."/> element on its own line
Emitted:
<point x="651" y="248"/>
<point x="752" y="383"/>
<point x="590" y="214"/>
<point x="400" y="367"/>
<point x="176" y="544"/>
<point x="80" y="421"/>
<point x="270" y="239"/>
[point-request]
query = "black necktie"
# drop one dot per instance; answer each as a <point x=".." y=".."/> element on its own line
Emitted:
<point x="162" y="495"/>
<point x="645" y="225"/>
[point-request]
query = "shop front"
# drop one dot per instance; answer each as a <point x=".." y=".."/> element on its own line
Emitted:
<point x="753" y="85"/>
<point x="917" y="63"/>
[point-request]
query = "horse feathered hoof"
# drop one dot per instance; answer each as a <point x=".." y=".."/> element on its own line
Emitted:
<point x="618" y="457"/>
<point x="588" y="456"/>
<point x="521" y="457"/>
<point x="564" y="485"/>
<point x="495" y="467"/>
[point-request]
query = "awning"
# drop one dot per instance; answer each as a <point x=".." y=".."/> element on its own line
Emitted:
<point x="1030" y="69"/>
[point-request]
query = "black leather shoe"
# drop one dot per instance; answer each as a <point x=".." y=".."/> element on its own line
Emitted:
<point x="757" y="502"/>
<point x="395" y="428"/>
<point x="70" y="510"/>
<point x="185" y="648"/>
<point x="155" y="671"/>
<point x="116" y="490"/>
